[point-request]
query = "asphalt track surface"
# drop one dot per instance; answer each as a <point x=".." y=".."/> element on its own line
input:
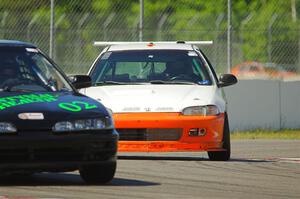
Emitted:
<point x="258" y="169"/>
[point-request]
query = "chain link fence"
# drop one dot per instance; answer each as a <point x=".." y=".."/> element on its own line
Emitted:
<point x="265" y="33"/>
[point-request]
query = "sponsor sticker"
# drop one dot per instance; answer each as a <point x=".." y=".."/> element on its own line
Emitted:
<point x="192" y="54"/>
<point x="31" y="116"/>
<point x="32" y="50"/>
<point x="131" y="109"/>
<point x="204" y="82"/>
<point x="147" y="109"/>
<point x="164" y="109"/>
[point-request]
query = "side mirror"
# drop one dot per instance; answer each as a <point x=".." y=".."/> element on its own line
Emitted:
<point x="227" y="80"/>
<point x="80" y="81"/>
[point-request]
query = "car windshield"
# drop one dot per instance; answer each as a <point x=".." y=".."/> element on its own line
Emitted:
<point x="150" y="66"/>
<point x="26" y="69"/>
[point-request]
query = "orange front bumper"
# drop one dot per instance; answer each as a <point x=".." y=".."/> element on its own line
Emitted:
<point x="212" y="141"/>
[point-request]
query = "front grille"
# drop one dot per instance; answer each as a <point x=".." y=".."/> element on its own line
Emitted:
<point x="92" y="152"/>
<point x="150" y="134"/>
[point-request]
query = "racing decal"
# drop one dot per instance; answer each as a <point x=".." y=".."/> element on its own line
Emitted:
<point x="12" y="101"/>
<point x="164" y="109"/>
<point x="131" y="109"/>
<point x="147" y="109"/>
<point x="76" y="106"/>
<point x="204" y="82"/>
<point x="31" y="116"/>
<point x="33" y="50"/>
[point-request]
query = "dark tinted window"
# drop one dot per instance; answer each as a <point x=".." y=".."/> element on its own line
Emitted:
<point x="27" y="69"/>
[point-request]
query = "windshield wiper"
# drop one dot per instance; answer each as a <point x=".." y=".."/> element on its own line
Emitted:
<point x="158" y="82"/>
<point x="183" y="82"/>
<point x="108" y="83"/>
<point x="22" y="88"/>
<point x="171" y="82"/>
<point x="13" y="89"/>
<point x="8" y="88"/>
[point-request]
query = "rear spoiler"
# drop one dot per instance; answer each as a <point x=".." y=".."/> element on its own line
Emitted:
<point x="110" y="43"/>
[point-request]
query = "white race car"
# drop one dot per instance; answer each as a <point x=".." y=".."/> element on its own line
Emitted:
<point x="164" y="96"/>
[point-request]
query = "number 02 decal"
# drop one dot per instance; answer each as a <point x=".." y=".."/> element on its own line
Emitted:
<point x="76" y="106"/>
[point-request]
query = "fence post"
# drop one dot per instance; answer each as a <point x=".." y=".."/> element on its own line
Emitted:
<point x="294" y="11"/>
<point x="51" y="29"/>
<point x="229" y="36"/>
<point x="141" y="24"/>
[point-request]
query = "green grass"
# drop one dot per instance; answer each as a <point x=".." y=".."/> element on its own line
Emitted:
<point x="265" y="134"/>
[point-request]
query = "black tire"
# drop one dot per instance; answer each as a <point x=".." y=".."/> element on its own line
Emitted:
<point x="222" y="155"/>
<point x="98" y="173"/>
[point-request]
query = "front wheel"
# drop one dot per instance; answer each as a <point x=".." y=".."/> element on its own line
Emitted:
<point x="222" y="155"/>
<point x="98" y="173"/>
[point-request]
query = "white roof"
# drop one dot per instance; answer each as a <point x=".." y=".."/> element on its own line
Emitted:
<point x="118" y="46"/>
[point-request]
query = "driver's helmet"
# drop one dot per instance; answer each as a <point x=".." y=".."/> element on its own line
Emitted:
<point x="8" y="70"/>
<point x="177" y="68"/>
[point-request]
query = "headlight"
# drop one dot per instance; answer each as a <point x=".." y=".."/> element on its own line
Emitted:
<point x="86" y="124"/>
<point x="201" y="110"/>
<point x="6" y="127"/>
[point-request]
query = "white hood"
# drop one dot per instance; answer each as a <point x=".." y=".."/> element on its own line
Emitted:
<point x="155" y="98"/>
